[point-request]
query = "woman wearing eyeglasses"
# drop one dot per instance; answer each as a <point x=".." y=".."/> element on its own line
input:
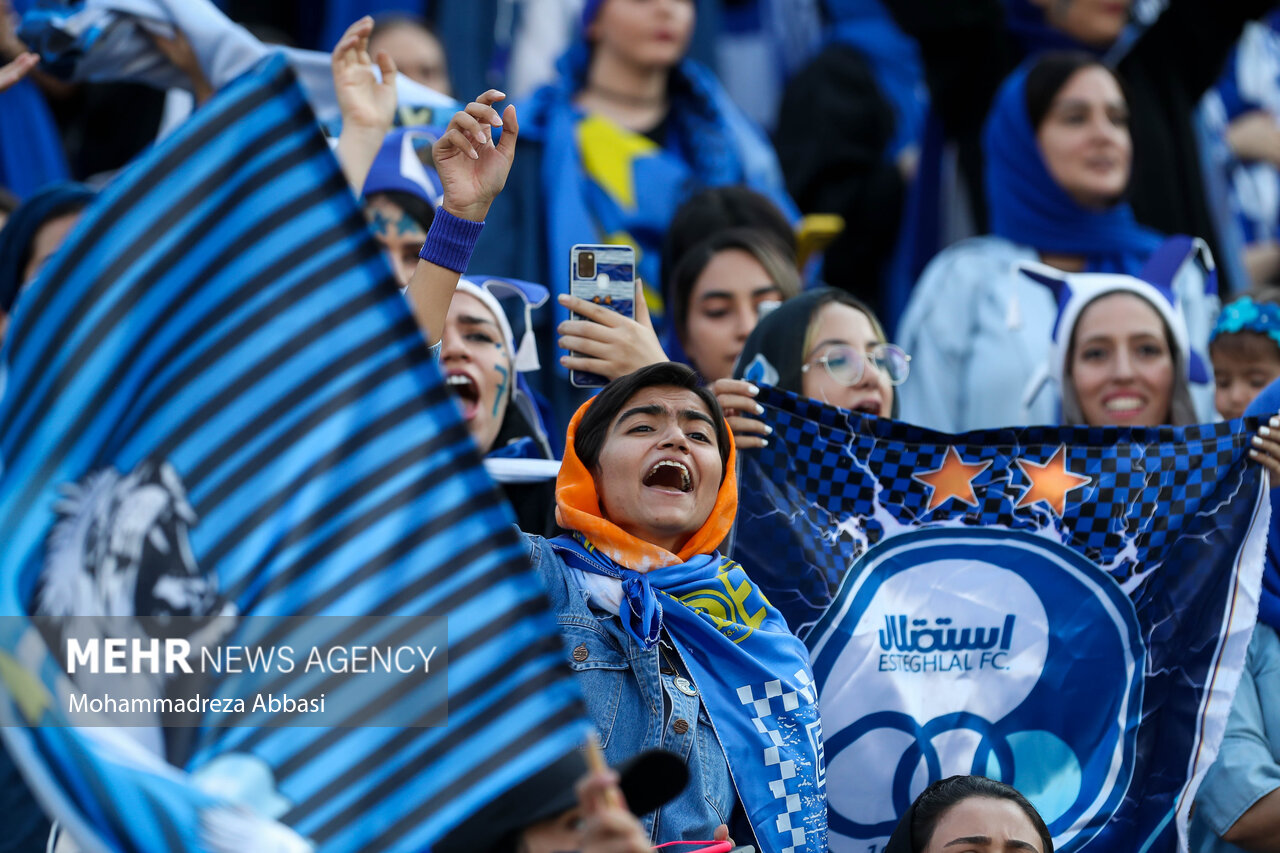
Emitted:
<point x="824" y="344"/>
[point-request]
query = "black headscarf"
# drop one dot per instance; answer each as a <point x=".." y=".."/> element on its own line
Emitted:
<point x="19" y="232"/>
<point x="774" y="353"/>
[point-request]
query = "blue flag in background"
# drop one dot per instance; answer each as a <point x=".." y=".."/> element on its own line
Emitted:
<point x="220" y="426"/>
<point x="1064" y="609"/>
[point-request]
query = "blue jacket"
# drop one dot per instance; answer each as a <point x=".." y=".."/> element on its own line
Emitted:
<point x="1248" y="763"/>
<point x="633" y="698"/>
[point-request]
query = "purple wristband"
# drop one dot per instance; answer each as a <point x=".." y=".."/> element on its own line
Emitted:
<point x="450" y="241"/>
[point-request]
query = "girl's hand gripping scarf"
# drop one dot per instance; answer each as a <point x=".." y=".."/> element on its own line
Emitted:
<point x="752" y="672"/>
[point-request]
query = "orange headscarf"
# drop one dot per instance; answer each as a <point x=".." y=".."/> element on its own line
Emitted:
<point x="578" y="508"/>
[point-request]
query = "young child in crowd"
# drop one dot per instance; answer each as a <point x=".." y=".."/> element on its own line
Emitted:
<point x="1245" y="350"/>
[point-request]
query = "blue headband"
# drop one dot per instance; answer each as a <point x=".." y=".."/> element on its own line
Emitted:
<point x="1245" y="315"/>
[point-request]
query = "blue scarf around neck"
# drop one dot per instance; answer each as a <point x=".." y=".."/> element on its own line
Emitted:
<point x="752" y="673"/>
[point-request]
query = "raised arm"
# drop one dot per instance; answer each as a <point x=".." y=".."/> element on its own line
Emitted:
<point x="368" y="105"/>
<point x="473" y="170"/>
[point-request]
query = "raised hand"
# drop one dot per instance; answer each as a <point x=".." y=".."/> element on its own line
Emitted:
<point x="472" y="169"/>
<point x="365" y="101"/>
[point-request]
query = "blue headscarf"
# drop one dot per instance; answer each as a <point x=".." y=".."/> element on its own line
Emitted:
<point x="894" y="59"/>
<point x="19" y="232"/>
<point x="709" y="142"/>
<point x="1264" y="406"/>
<point x="1029" y="208"/>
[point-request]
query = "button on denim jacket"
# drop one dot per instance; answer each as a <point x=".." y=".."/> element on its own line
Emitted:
<point x="624" y="686"/>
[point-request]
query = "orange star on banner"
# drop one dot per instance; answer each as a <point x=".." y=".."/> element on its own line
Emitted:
<point x="953" y="480"/>
<point x="1050" y="481"/>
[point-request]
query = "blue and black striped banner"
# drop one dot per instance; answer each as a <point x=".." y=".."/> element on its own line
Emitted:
<point x="219" y="423"/>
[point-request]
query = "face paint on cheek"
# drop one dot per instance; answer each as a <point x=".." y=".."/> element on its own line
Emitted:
<point x="380" y="224"/>
<point x="502" y="386"/>
<point x="407" y="224"/>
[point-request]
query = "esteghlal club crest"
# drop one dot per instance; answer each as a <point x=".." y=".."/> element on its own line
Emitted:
<point x="981" y="651"/>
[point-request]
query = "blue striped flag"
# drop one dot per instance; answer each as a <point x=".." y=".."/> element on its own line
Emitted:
<point x="220" y="426"/>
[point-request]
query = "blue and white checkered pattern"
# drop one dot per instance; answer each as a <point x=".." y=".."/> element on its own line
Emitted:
<point x="855" y="474"/>
<point x="775" y="697"/>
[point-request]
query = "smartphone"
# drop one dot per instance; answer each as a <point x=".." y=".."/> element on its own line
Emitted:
<point x="605" y="275"/>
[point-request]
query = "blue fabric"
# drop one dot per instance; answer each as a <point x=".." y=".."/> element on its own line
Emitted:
<point x="1248" y="764"/>
<point x="589" y="11"/>
<point x="753" y="674"/>
<point x="895" y="61"/>
<point x="222" y="341"/>
<point x="710" y="143"/>
<point x="634" y="698"/>
<point x="1026" y="21"/>
<point x="20" y="230"/>
<point x="32" y="158"/>
<point x="1117" y="566"/>
<point x="1029" y="208"/>
<point x="1266" y="405"/>
<point x="391" y="171"/>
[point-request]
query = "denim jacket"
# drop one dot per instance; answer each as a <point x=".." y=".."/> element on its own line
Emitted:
<point x="633" y="695"/>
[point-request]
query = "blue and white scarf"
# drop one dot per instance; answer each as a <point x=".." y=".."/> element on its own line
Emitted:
<point x="754" y="677"/>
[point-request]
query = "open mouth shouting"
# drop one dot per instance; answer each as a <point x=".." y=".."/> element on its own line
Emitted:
<point x="464" y="388"/>
<point x="669" y="475"/>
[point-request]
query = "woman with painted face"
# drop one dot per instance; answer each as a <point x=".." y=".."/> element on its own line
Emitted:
<point x="1059" y="157"/>
<point x="823" y="344"/>
<point x="970" y="814"/>
<point x="629" y="129"/>
<point x="400" y="197"/>
<point x="648" y="493"/>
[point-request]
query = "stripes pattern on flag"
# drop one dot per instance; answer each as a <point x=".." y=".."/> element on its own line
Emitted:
<point x="218" y="366"/>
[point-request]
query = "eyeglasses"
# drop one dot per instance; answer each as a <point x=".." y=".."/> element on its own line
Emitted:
<point x="845" y="364"/>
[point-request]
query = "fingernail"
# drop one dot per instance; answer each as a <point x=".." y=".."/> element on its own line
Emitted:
<point x="1264" y="431"/>
<point x="759" y="409"/>
<point x="563" y="359"/>
<point x="563" y="299"/>
<point x="475" y="156"/>
<point x="768" y="429"/>
<point x="1275" y="421"/>
<point x="1255" y="454"/>
<point x="764" y="442"/>
<point x="1257" y="442"/>
<point x="753" y="389"/>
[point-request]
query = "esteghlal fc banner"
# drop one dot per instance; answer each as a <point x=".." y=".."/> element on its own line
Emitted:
<point x="244" y="528"/>
<point x="1063" y="609"/>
